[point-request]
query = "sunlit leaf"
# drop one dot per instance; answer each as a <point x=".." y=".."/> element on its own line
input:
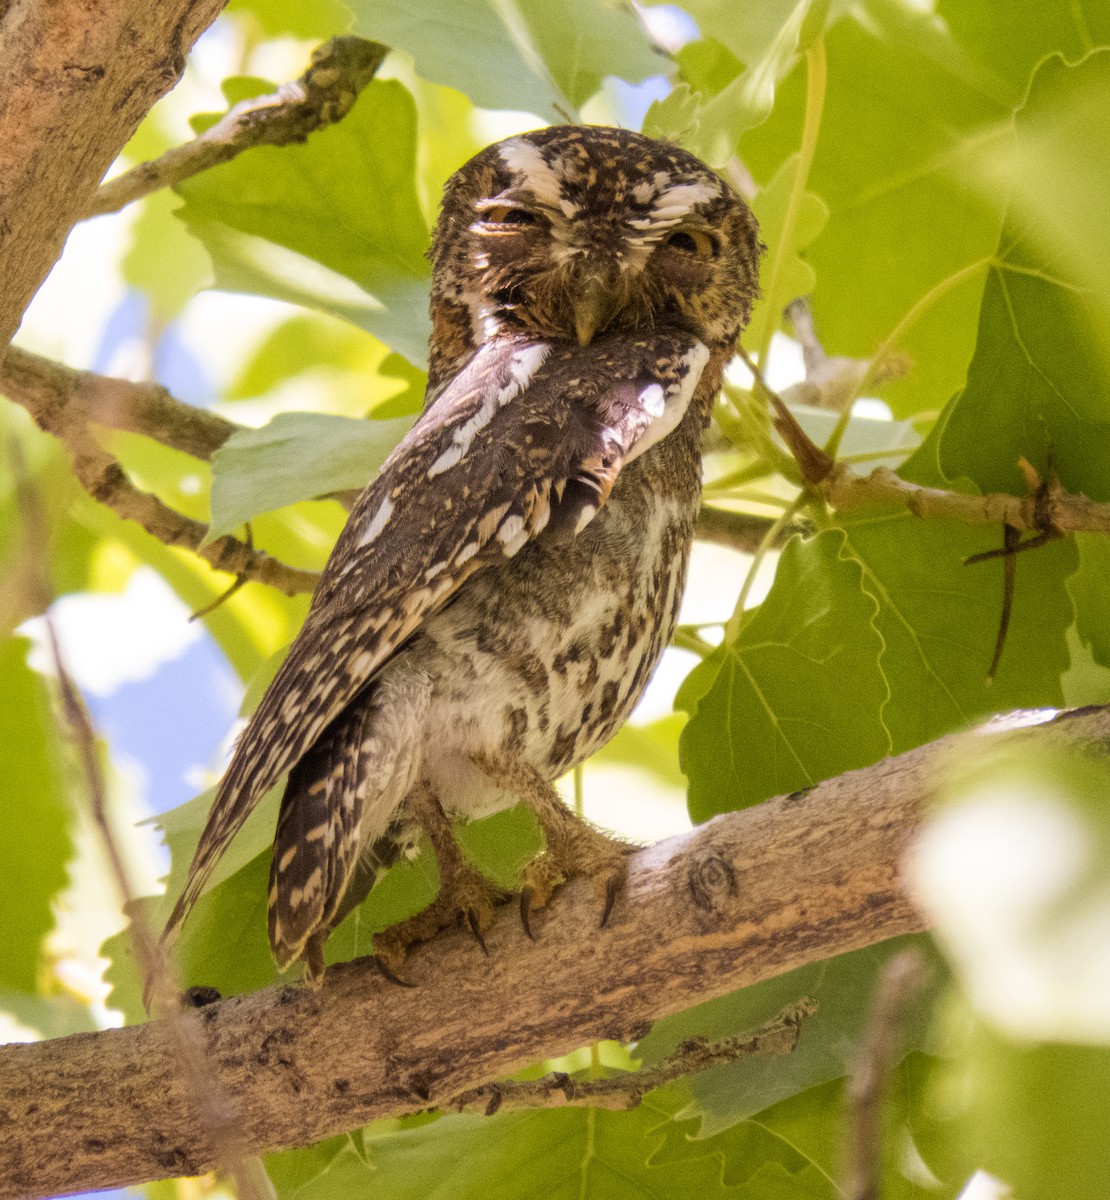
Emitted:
<point x="777" y="715"/>
<point x="36" y="840"/>
<point x="347" y="236"/>
<point x="546" y="53"/>
<point x="295" y="457"/>
<point x="1036" y="387"/>
<point x="842" y="988"/>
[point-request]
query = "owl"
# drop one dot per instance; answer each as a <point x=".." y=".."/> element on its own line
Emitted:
<point x="503" y="589"/>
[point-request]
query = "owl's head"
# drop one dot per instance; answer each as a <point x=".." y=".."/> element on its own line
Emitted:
<point x="573" y="231"/>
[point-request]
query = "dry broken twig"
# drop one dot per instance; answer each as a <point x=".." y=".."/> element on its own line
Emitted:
<point x="626" y="1089"/>
<point x="215" y="1112"/>
<point x="325" y="93"/>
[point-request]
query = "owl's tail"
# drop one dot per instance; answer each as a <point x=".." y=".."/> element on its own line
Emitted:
<point x="342" y="822"/>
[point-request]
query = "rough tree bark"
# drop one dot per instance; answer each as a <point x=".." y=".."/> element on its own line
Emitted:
<point x="747" y="896"/>
<point x="76" y="78"/>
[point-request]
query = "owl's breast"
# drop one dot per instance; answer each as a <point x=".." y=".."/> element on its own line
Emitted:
<point x="542" y="658"/>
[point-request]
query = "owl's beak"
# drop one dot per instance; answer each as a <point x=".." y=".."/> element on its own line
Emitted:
<point x="593" y="305"/>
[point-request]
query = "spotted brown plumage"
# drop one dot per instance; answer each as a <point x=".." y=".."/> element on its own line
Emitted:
<point x="501" y="592"/>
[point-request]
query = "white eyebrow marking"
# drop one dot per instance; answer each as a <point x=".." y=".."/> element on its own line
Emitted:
<point x="678" y="200"/>
<point x="522" y="156"/>
<point x="380" y="519"/>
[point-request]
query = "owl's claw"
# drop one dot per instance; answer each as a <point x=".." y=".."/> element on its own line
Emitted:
<point x="613" y="887"/>
<point x="575" y="851"/>
<point x="381" y="961"/>
<point x="466" y="897"/>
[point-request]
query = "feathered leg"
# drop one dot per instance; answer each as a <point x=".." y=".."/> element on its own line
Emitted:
<point x="574" y="847"/>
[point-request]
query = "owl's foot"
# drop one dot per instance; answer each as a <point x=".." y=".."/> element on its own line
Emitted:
<point x="575" y="848"/>
<point x="466" y="897"/>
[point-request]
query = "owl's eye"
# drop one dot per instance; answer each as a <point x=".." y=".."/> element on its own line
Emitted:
<point x="694" y="241"/>
<point x="506" y="214"/>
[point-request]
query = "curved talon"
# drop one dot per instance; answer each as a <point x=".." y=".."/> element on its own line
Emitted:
<point x="476" y="929"/>
<point x="389" y="974"/>
<point x="526" y="912"/>
<point x="612" y="891"/>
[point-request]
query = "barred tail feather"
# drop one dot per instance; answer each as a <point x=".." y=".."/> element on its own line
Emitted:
<point x="340" y="800"/>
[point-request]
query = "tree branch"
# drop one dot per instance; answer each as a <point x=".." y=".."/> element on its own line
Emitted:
<point x="626" y="1089"/>
<point x="1049" y="509"/>
<point x="146" y="408"/>
<point x="325" y="93"/>
<point x="77" y="80"/>
<point x="55" y="396"/>
<point x="742" y="898"/>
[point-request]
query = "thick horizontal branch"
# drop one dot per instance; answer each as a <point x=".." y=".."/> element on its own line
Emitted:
<point x="325" y="93"/>
<point x="77" y="80"/>
<point x="54" y="398"/>
<point x="744" y="897"/>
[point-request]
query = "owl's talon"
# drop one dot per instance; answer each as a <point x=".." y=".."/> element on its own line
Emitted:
<point x="526" y="912"/>
<point x="389" y="974"/>
<point x="614" y="885"/>
<point x="475" y="924"/>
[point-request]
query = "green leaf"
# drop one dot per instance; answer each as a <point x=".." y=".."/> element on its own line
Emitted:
<point x="1036" y="1115"/>
<point x="1090" y="593"/>
<point x="333" y="223"/>
<point x="1036" y="385"/>
<point x="547" y="53"/>
<point x="939" y="621"/>
<point x="774" y="713"/>
<point x="305" y="342"/>
<point x="295" y="457"/>
<point x="163" y="260"/>
<point x="318" y="19"/>
<point x="782" y="32"/>
<point x="842" y="987"/>
<point x="555" y="1154"/>
<point x="783" y="274"/>
<point x="36" y="842"/>
<point x="901" y="132"/>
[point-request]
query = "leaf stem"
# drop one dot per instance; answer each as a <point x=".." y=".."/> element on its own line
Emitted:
<point x="732" y="628"/>
<point x="923" y="304"/>
<point x="816" y="78"/>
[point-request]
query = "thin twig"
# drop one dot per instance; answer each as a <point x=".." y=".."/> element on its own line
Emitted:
<point x="325" y="93"/>
<point x="217" y="1114"/>
<point x="1056" y="510"/>
<point x="628" y="1088"/>
<point x="899" y="985"/>
<point x="738" y="531"/>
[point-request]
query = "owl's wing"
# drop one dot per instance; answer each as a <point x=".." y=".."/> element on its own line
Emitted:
<point x="529" y="437"/>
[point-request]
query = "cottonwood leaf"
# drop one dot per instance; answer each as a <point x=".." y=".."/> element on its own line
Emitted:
<point x="1037" y="384"/>
<point x="333" y="223"/>
<point x="547" y="52"/>
<point x="296" y="456"/>
<point x="36" y="842"/>
<point x="796" y="698"/>
<point x="841" y="986"/>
